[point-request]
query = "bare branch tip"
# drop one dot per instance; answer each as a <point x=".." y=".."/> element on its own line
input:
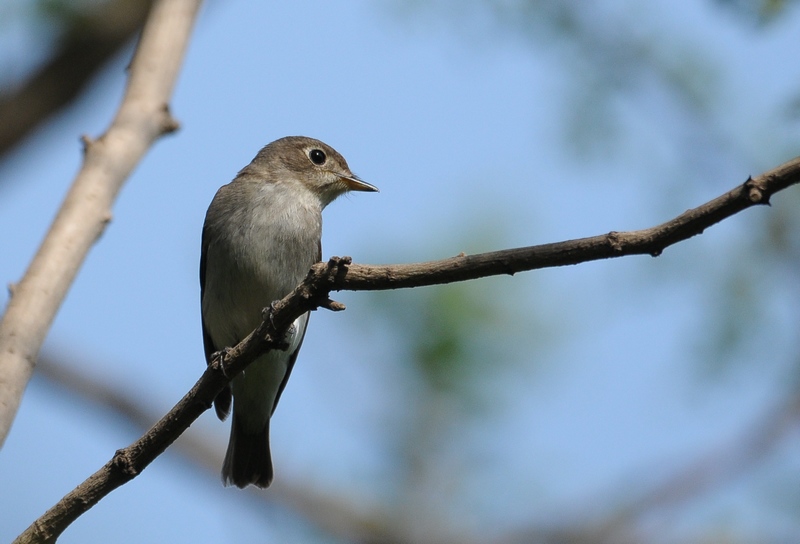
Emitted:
<point x="123" y="463"/>
<point x="755" y="192"/>
<point x="332" y="305"/>
<point x="12" y="288"/>
<point x="756" y="196"/>
<point x="614" y="241"/>
<point x="168" y="123"/>
<point x="86" y="143"/>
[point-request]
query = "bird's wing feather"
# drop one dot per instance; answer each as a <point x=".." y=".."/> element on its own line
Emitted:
<point x="208" y="344"/>
<point x="222" y="403"/>
<point x="289" y="367"/>
<point x="293" y="356"/>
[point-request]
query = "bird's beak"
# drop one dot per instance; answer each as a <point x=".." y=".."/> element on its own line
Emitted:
<point x="355" y="184"/>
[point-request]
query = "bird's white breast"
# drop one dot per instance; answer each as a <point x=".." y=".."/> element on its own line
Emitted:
<point x="276" y="242"/>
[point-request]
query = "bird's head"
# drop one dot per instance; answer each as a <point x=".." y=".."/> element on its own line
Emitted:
<point x="309" y="162"/>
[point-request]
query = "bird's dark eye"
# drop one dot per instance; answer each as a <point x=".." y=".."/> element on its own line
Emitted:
<point x="317" y="156"/>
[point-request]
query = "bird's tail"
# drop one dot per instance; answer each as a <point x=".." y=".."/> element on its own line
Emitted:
<point x="248" y="459"/>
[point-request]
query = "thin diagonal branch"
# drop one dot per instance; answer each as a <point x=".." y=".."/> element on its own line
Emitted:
<point x="651" y="241"/>
<point x="340" y="274"/>
<point x="142" y="118"/>
<point x="334" y="514"/>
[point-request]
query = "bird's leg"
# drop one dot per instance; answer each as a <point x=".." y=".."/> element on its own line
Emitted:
<point x="267" y="314"/>
<point x="218" y="359"/>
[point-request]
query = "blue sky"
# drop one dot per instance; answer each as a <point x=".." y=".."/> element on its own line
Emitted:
<point x="464" y="131"/>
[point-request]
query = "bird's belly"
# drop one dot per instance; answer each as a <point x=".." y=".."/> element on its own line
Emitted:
<point x="255" y="389"/>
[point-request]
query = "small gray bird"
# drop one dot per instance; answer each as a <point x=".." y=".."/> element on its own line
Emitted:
<point x="261" y="235"/>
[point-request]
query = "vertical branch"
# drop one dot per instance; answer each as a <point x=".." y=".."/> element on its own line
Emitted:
<point x="141" y="119"/>
<point x="92" y="35"/>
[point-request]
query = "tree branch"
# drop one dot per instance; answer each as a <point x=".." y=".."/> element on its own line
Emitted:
<point x="142" y="117"/>
<point x="90" y="41"/>
<point x="650" y="241"/>
<point x="336" y="515"/>
<point x="340" y="274"/>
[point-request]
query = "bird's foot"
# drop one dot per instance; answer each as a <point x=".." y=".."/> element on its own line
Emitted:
<point x="267" y="314"/>
<point x="219" y="358"/>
